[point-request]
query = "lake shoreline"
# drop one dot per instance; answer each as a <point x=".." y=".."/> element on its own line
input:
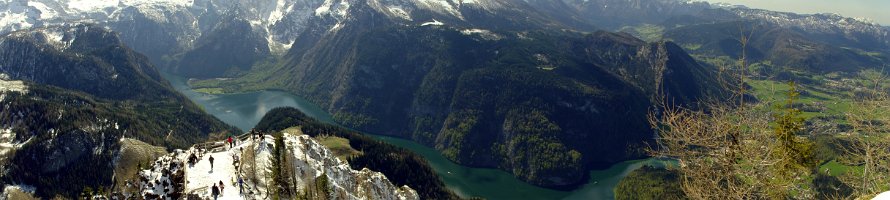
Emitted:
<point x="245" y="109"/>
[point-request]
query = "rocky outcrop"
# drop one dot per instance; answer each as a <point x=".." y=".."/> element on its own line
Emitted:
<point x="313" y="161"/>
<point x="313" y="171"/>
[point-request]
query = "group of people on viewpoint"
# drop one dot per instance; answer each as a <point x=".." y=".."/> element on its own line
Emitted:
<point x="218" y="188"/>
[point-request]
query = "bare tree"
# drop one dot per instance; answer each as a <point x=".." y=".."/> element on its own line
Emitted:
<point x="869" y="143"/>
<point x="727" y="149"/>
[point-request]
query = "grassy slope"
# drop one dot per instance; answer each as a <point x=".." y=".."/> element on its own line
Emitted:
<point x="340" y="146"/>
<point x="775" y="92"/>
<point x="134" y="153"/>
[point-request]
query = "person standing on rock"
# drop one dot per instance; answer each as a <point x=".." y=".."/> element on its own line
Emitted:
<point x="211" y="162"/>
<point x="193" y="159"/>
<point x="215" y="191"/>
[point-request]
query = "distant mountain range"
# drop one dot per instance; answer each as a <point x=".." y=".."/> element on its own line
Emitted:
<point x="199" y="38"/>
<point x="798" y="41"/>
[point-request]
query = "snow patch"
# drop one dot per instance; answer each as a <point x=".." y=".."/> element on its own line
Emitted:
<point x="484" y="34"/>
<point x="14" y="21"/>
<point x="324" y="9"/>
<point x="22" y="188"/>
<point x="883" y="196"/>
<point x="278" y="48"/>
<point x="484" y="4"/>
<point x="400" y="13"/>
<point x="433" y="23"/>
<point x="279" y="11"/>
<point x="440" y="6"/>
<point x="91" y="5"/>
<point x="56" y="38"/>
<point x="172" y="174"/>
<point x="45" y="11"/>
<point x="8" y="86"/>
<point x="158" y="2"/>
<point x="8" y="143"/>
<point x="336" y="27"/>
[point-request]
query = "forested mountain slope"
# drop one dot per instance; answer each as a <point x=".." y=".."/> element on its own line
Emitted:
<point x="544" y="105"/>
<point x="85" y="92"/>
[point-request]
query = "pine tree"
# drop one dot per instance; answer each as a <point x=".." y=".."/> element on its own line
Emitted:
<point x="795" y="155"/>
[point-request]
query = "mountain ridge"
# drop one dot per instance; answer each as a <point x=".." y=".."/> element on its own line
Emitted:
<point x="86" y="92"/>
<point x="459" y="99"/>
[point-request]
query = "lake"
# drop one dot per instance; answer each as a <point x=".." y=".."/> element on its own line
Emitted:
<point x="245" y="111"/>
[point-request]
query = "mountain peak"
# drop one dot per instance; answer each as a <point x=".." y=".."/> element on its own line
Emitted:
<point x="64" y="37"/>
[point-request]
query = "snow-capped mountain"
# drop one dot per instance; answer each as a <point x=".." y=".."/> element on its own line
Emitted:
<point x="166" y="30"/>
<point x="162" y="29"/>
<point x="823" y="24"/>
<point x="264" y="14"/>
<point x="169" y="31"/>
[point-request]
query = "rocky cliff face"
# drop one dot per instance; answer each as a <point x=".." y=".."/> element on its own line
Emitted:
<point x="312" y="170"/>
<point x="313" y="161"/>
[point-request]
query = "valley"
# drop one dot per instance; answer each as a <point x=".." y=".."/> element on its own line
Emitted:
<point x="443" y="99"/>
<point x="465" y="181"/>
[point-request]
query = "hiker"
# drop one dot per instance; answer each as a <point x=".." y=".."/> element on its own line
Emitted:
<point x="221" y="187"/>
<point x="234" y="160"/>
<point x="193" y="159"/>
<point x="240" y="185"/>
<point x="211" y="162"/>
<point x="215" y="191"/>
<point x="231" y="144"/>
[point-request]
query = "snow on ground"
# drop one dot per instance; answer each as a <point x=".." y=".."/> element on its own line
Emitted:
<point x="484" y="34"/>
<point x="440" y="6"/>
<point x="56" y="38"/>
<point x="172" y="176"/>
<point x="201" y="177"/>
<point x="11" y="86"/>
<point x="263" y="165"/>
<point x="883" y="196"/>
<point x="433" y="23"/>
<point x="397" y="11"/>
<point x="45" y="11"/>
<point x="11" y="189"/>
<point x="91" y="5"/>
<point x="279" y="12"/>
<point x="8" y="143"/>
<point x="14" y="21"/>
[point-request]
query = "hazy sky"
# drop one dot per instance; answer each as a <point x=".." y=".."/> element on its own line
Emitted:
<point x="876" y="10"/>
